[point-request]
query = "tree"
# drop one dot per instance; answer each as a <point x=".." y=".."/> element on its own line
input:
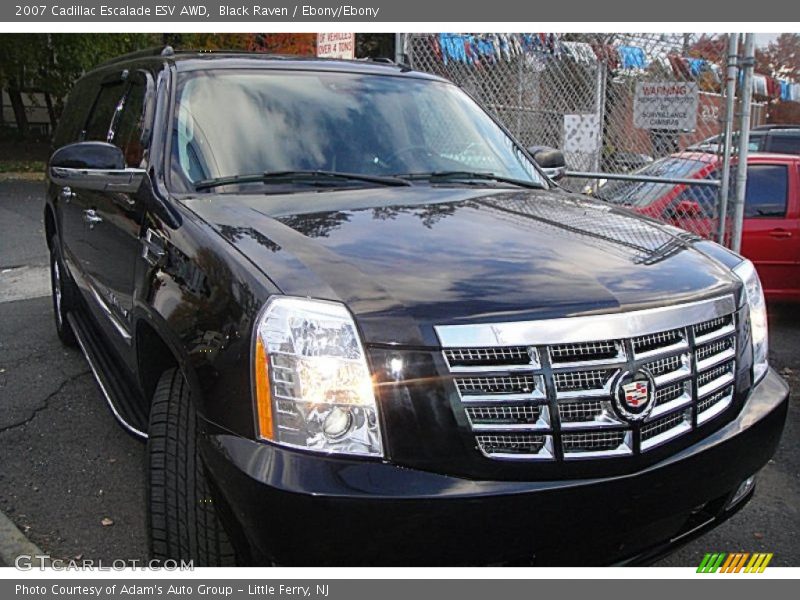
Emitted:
<point x="50" y="64"/>
<point x="781" y="58"/>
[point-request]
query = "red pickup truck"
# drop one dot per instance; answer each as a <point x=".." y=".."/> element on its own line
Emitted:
<point x="771" y="232"/>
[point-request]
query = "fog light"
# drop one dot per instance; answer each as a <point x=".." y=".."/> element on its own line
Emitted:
<point x="741" y="492"/>
<point x="337" y="423"/>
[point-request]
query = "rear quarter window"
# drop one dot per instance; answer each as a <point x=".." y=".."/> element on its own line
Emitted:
<point x="785" y="144"/>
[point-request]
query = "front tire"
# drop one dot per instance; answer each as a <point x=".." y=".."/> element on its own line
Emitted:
<point x="184" y="524"/>
<point x="63" y="293"/>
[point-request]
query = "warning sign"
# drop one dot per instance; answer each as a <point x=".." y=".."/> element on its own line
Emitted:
<point x="665" y="105"/>
<point x="336" y="45"/>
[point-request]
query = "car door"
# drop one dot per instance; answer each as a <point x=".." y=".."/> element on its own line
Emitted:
<point x="771" y="227"/>
<point x="76" y="202"/>
<point x="114" y="220"/>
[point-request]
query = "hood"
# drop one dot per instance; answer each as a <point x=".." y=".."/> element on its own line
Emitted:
<point x="405" y="259"/>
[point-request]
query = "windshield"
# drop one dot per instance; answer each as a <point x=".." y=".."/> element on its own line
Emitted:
<point x="642" y="193"/>
<point x="231" y="123"/>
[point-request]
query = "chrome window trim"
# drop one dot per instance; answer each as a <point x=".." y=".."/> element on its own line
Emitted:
<point x="590" y="328"/>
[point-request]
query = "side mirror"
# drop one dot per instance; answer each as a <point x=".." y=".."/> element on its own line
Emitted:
<point x="550" y="160"/>
<point x="93" y="166"/>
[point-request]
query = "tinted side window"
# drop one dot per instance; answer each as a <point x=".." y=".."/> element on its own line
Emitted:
<point x="126" y="132"/>
<point x="756" y="142"/>
<point x="766" y="191"/>
<point x="72" y="120"/>
<point x="787" y="144"/>
<point x="106" y="107"/>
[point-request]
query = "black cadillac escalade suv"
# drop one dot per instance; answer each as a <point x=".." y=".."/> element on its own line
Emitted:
<point x="358" y="325"/>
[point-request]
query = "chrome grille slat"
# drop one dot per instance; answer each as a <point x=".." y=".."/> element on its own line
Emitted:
<point x="513" y="358"/>
<point x="566" y="394"/>
<point x="502" y="384"/>
<point x="659" y="343"/>
<point x="714" y="404"/>
<point x="587" y="414"/>
<point x="671" y="397"/>
<point x="565" y="355"/>
<point x="714" y="379"/>
<point x="666" y="428"/>
<point x="715" y="352"/>
<point x="515" y="446"/>
<point x="515" y="417"/>
<point x="596" y="443"/>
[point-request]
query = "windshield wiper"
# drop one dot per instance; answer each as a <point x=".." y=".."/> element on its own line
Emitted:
<point x="310" y="176"/>
<point x="467" y="175"/>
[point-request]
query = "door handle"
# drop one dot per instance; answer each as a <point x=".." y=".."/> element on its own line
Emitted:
<point x="781" y="234"/>
<point x="91" y="217"/>
<point x="67" y="194"/>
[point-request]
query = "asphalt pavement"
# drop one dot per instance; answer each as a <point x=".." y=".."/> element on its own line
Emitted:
<point x="74" y="482"/>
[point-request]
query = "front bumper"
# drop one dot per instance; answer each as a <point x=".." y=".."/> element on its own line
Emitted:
<point x="294" y="508"/>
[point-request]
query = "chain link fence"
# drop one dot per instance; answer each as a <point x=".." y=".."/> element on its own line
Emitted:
<point x="652" y="105"/>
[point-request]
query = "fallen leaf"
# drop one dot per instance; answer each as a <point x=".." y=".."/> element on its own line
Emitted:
<point x="106" y="522"/>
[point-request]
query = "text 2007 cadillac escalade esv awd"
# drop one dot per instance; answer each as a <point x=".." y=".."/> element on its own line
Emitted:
<point x="358" y="325"/>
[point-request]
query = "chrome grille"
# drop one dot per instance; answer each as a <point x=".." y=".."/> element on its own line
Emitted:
<point x="566" y="395"/>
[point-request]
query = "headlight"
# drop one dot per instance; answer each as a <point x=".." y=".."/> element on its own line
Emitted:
<point x="311" y="381"/>
<point x="758" y="316"/>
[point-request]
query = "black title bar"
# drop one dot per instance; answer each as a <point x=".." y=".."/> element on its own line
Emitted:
<point x="266" y="11"/>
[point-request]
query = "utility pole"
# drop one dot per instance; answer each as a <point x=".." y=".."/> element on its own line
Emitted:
<point x="748" y="63"/>
<point x="730" y="109"/>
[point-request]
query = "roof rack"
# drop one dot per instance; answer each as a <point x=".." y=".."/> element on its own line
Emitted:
<point x="146" y="53"/>
<point x="169" y="51"/>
